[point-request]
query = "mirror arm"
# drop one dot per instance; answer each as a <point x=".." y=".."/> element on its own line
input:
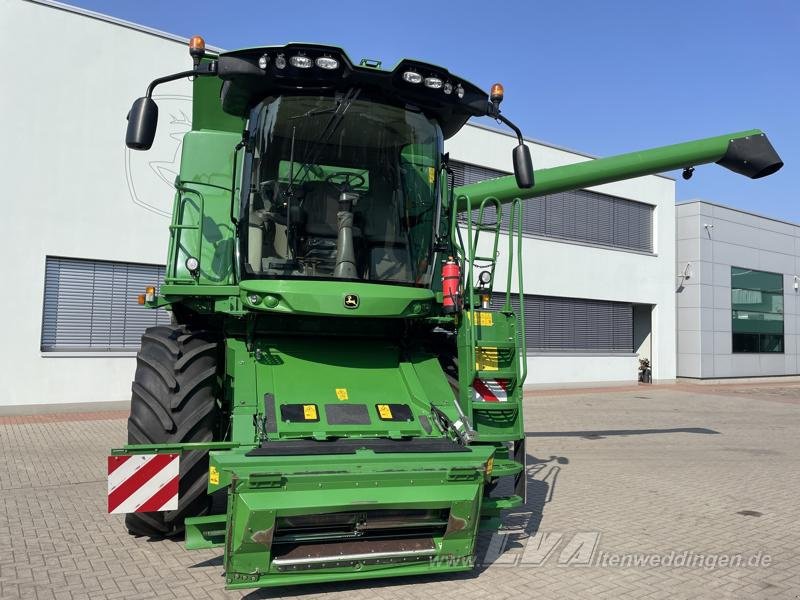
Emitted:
<point x="201" y="70"/>
<point x="511" y="125"/>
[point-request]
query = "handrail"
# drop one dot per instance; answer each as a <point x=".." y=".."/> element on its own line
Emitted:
<point x="466" y="259"/>
<point x="176" y="226"/>
<point x="498" y="209"/>
<point x="516" y="220"/>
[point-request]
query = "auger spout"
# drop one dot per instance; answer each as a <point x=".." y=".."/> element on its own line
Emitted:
<point x="748" y="153"/>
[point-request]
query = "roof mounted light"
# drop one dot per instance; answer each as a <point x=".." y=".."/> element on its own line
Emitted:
<point x="280" y="61"/>
<point x="448" y="87"/>
<point x="459" y="91"/>
<point x="263" y="61"/>
<point x="301" y="62"/>
<point x="327" y="63"/>
<point x="412" y="77"/>
<point x="197" y="49"/>
<point x="434" y="83"/>
<point x="496" y="93"/>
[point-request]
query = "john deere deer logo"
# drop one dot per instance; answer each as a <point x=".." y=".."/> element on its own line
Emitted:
<point x="351" y="301"/>
<point x="151" y="175"/>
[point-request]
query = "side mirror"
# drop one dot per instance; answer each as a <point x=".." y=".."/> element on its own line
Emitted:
<point x="523" y="166"/>
<point x="142" y="122"/>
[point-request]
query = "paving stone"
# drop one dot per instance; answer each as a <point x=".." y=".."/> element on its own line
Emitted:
<point x="698" y="473"/>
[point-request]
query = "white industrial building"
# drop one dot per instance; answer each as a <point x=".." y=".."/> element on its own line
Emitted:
<point x="86" y="223"/>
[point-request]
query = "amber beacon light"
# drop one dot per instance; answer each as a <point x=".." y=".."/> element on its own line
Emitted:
<point x="197" y="49"/>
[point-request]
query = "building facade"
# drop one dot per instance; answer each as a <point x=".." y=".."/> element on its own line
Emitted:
<point x="87" y="223"/>
<point x="737" y="293"/>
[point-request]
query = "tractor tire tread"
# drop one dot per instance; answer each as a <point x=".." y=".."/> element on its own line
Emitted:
<point x="174" y="400"/>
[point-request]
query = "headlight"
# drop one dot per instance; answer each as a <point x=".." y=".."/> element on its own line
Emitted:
<point x="263" y="61"/>
<point x="412" y="77"/>
<point x="433" y="82"/>
<point x="301" y="62"/>
<point x="327" y="63"/>
<point x="459" y="91"/>
<point x="448" y="88"/>
<point x="280" y="61"/>
<point x="192" y="264"/>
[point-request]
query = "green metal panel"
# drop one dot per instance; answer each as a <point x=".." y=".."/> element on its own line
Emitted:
<point x="267" y="489"/>
<point x="201" y="223"/>
<point x="327" y="298"/>
<point x="207" y="111"/>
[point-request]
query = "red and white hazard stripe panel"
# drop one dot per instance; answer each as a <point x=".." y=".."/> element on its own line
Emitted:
<point x="143" y="483"/>
<point x="490" y="390"/>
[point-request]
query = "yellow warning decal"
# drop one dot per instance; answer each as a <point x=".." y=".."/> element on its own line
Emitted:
<point x="431" y="175"/>
<point x="489" y="465"/>
<point x="309" y="412"/>
<point x="486" y="359"/>
<point x="484" y="319"/>
<point x="213" y="475"/>
<point x="341" y="393"/>
<point x="384" y="411"/>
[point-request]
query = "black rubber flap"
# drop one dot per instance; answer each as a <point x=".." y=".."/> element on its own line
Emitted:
<point x="752" y="156"/>
<point x="349" y="446"/>
<point x="347" y="414"/>
<point x="426" y="424"/>
<point x="394" y="412"/>
<point x="299" y="413"/>
<point x="270" y="422"/>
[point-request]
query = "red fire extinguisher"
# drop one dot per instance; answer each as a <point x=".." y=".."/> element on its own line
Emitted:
<point x="451" y="279"/>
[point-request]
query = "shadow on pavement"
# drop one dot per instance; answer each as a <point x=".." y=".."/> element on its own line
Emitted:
<point x="596" y="434"/>
<point x="522" y="523"/>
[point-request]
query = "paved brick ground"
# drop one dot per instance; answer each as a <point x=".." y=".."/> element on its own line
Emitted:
<point x="700" y="472"/>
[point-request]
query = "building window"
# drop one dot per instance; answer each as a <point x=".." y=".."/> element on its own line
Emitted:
<point x="757" y="309"/>
<point x="558" y="324"/>
<point x="577" y="215"/>
<point x="92" y="305"/>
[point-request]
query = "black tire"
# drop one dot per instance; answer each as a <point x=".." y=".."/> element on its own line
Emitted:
<point x="174" y="399"/>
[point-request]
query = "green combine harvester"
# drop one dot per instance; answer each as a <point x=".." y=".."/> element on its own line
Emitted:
<point x="343" y="391"/>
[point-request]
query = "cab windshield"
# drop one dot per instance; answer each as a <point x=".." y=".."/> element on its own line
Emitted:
<point x="340" y="187"/>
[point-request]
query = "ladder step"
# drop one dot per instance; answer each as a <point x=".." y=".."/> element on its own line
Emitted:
<point x="491" y="344"/>
<point x="493" y="406"/>
<point x="499" y="374"/>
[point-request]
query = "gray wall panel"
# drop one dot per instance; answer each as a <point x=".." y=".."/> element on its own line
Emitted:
<point x="736" y="239"/>
<point x="723" y="342"/>
<point x="777" y="263"/>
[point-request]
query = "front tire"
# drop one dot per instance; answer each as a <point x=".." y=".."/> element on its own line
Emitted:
<point x="174" y="400"/>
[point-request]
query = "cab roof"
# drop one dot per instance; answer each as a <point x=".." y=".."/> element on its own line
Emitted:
<point x="250" y="75"/>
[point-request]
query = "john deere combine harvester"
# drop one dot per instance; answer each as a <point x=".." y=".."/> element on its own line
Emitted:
<point x="334" y="369"/>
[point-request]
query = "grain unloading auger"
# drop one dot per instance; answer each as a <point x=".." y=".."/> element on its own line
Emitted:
<point x="334" y="371"/>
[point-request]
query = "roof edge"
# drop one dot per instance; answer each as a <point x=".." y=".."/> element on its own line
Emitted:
<point x="739" y="210"/>
<point x="119" y="22"/>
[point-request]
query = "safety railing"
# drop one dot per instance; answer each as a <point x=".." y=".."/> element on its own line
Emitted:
<point x="177" y="227"/>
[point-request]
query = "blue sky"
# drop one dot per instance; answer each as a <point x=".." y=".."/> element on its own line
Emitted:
<point x="600" y="77"/>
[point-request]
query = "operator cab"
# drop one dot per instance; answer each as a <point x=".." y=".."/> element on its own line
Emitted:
<point x="342" y="170"/>
<point x="341" y="176"/>
<point x="340" y="186"/>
